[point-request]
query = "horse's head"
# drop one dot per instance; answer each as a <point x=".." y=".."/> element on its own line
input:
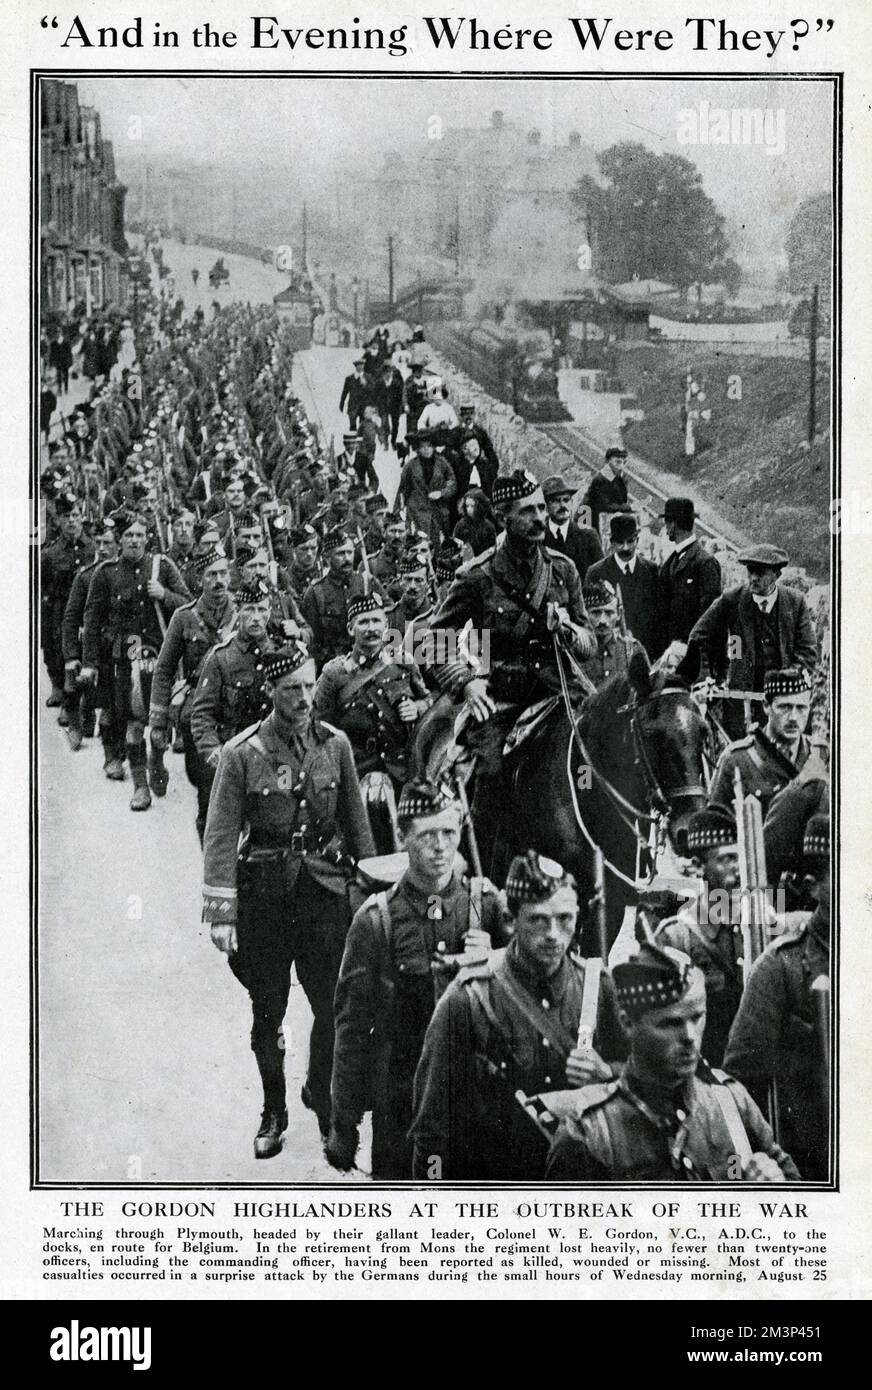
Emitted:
<point x="670" y="737"/>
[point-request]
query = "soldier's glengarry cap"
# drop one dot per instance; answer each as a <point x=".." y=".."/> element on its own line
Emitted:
<point x="766" y="556"/>
<point x="816" y="840"/>
<point x="334" y="538"/>
<point x="424" y="798"/>
<point x="410" y="562"/>
<point x="66" y="502"/>
<point x="356" y="491"/>
<point x="377" y="502"/>
<point x="285" y="661"/>
<point x="653" y="979"/>
<point x="712" y="828"/>
<point x="365" y="603"/>
<point x="555" y="485"/>
<point x="255" y="591"/>
<point x="512" y="486"/>
<point x="301" y="534"/>
<point x="533" y="878"/>
<point x="201" y="563"/>
<point x="124" y="518"/>
<point x="792" y="681"/>
<point x="244" y="553"/>
<point x="598" y="595"/>
<point x="448" y="559"/>
<point x="680" y="510"/>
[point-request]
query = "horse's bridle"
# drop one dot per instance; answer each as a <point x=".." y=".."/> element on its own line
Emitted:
<point x="643" y="759"/>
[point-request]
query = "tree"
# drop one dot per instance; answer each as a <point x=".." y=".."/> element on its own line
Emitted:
<point x="809" y="246"/>
<point x="653" y="219"/>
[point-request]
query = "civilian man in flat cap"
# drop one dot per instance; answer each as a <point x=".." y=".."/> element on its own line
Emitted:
<point x="521" y="594"/>
<point x="668" y="1117"/>
<point x="781" y="1033"/>
<point x="511" y="1023"/>
<point x="614" y="648"/>
<point x="708" y="928"/>
<point x="193" y="631"/>
<point x="635" y="578"/>
<point x="773" y="753"/>
<point x="607" y="490"/>
<point x="393" y="970"/>
<point x="755" y="627"/>
<point x="689" y="579"/>
<point x="325" y="603"/>
<point x="580" y="543"/>
<point x="127" y="599"/>
<point x="231" y="688"/>
<point x="288" y="784"/>
<point x="370" y="695"/>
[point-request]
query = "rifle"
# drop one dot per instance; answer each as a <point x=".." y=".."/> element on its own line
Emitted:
<point x="367" y="572"/>
<point x="597" y="903"/>
<point x="159" y="777"/>
<point x="820" y="990"/>
<point x="471" y="839"/>
<point x="754" y="882"/>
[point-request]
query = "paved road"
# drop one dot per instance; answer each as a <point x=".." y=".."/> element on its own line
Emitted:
<point x="145" y="1069"/>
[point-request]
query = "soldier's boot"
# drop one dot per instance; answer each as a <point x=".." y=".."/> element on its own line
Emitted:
<point x="158" y="777"/>
<point x="72" y="703"/>
<point x="63" y="719"/>
<point x="322" y="1115"/>
<point x="141" y="799"/>
<point x="74" y="730"/>
<point x="56" y="698"/>
<point x="113" y="765"/>
<point x="274" y="1118"/>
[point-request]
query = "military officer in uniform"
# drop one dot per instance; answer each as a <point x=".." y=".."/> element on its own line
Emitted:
<point x="59" y="563"/>
<point x="521" y="594"/>
<point x="325" y="603"/>
<point x="124" y="601"/>
<point x="372" y="696"/>
<point x="781" y="1032"/>
<point x="613" y="648"/>
<point x="231" y="689"/>
<point x="193" y="631"/>
<point x="769" y="757"/>
<point x="391" y="972"/>
<point x="667" y="1117"/>
<point x="708" y="929"/>
<point x="81" y="702"/>
<point x="288" y="785"/>
<point x="509" y="1024"/>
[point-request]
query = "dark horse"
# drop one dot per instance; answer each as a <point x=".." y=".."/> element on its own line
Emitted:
<point x="638" y="755"/>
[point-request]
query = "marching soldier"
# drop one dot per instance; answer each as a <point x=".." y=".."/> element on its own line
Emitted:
<point x="510" y="1024"/>
<point x="708" y="930"/>
<point x="667" y="1117"/>
<point x="303" y="569"/>
<point x="387" y="982"/>
<point x="183" y="550"/>
<point x="614" y="649"/>
<point x="521" y="593"/>
<point x="81" y="701"/>
<point x="231" y="689"/>
<point x="288" y="783"/>
<point x="325" y="603"/>
<point x="127" y="599"/>
<point x="60" y="562"/>
<point x="193" y="631"/>
<point x="634" y="577"/>
<point x="781" y="1032"/>
<point x="412" y="614"/>
<point x="770" y="757"/>
<point x="383" y="565"/>
<point x="375" y="698"/>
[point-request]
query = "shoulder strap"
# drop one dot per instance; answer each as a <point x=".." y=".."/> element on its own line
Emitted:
<point x="730" y="1112"/>
<point x="545" y="1023"/>
<point x="384" y="913"/>
<point x="474" y="921"/>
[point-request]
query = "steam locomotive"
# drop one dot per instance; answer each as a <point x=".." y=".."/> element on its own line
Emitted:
<point x="512" y="365"/>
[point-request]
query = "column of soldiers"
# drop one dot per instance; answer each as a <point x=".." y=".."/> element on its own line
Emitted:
<point x="226" y="586"/>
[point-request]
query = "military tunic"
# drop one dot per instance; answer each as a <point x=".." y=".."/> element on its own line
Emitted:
<point x="325" y="608"/>
<point x="481" y="1047"/>
<point x="384" y="1001"/>
<point x="776" y="1036"/>
<point x="360" y="696"/>
<point x="718" y="951"/>
<point x="764" y="767"/>
<point x="621" y="1131"/>
<point x="304" y="823"/>
<point x="230" y="692"/>
<point x="60" y="562"/>
<point x="611" y="659"/>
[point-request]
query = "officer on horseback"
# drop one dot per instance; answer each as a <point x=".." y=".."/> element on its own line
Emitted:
<point x="521" y="595"/>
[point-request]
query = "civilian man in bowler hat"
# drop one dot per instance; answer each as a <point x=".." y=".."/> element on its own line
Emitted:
<point x="509" y="1024"/>
<point x="635" y="577"/>
<point x="666" y="1118"/>
<point x="581" y="544"/>
<point x="392" y="972"/>
<point x="288" y="785"/>
<point x="689" y="579"/>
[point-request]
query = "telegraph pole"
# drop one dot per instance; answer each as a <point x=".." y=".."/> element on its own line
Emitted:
<point x="391" y="273"/>
<point x="305" y="239"/>
<point x="812" y="365"/>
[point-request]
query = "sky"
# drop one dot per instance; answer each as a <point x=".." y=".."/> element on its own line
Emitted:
<point x="319" y="125"/>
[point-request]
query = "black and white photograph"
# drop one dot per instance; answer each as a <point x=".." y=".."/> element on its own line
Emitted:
<point x="434" y="689"/>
